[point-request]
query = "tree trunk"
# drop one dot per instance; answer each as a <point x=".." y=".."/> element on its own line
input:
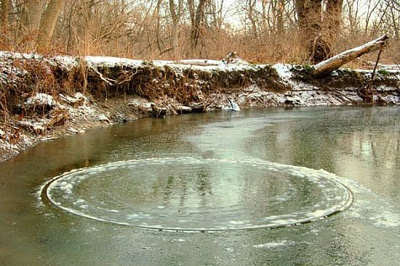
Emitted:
<point x="31" y="15"/>
<point x="251" y="6"/>
<point x="197" y="16"/>
<point x="5" y="10"/>
<point x="337" y="61"/>
<point x="309" y="13"/>
<point x="301" y="18"/>
<point x="333" y="18"/>
<point x="156" y="15"/>
<point x="175" y="15"/>
<point x="48" y="24"/>
<point x="309" y="17"/>
<point x="280" y="10"/>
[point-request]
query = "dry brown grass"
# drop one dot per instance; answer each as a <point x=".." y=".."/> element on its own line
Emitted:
<point x="284" y="48"/>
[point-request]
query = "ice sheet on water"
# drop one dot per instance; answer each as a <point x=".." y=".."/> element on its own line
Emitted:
<point x="271" y="245"/>
<point x="370" y="206"/>
<point x="63" y="191"/>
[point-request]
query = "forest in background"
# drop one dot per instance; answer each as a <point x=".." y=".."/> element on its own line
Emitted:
<point x="260" y="31"/>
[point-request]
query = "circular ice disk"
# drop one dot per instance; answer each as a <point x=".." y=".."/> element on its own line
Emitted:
<point x="191" y="194"/>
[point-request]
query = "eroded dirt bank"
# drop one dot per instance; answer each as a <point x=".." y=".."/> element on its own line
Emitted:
<point x="43" y="98"/>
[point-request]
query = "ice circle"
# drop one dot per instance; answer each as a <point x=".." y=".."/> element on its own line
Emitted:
<point x="195" y="194"/>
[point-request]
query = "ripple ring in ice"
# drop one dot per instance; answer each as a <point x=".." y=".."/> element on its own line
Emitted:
<point x="191" y="194"/>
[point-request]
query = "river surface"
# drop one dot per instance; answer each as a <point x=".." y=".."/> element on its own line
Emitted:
<point x="314" y="186"/>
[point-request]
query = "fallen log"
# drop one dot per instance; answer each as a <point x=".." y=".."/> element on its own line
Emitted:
<point x="325" y="67"/>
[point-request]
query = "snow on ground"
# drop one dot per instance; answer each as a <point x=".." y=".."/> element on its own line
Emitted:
<point x="78" y="97"/>
<point x="394" y="67"/>
<point x="80" y="110"/>
<point x="39" y="126"/>
<point x="195" y="64"/>
<point x="107" y="61"/>
<point x="67" y="61"/>
<point x="237" y="64"/>
<point x="13" y="55"/>
<point x="283" y="71"/>
<point x="200" y="62"/>
<point x="76" y="111"/>
<point x="41" y="99"/>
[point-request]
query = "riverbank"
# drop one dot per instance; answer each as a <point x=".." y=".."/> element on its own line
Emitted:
<point x="47" y="97"/>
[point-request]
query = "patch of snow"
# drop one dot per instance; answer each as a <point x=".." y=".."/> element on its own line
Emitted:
<point x="211" y="67"/>
<point x="393" y="67"/>
<point x="48" y="138"/>
<point x="384" y="88"/>
<point x="199" y="62"/>
<point x="78" y="97"/>
<point x="183" y="109"/>
<point x="2" y="133"/>
<point x="391" y="99"/>
<point x="111" y="61"/>
<point x="73" y="130"/>
<point x="361" y="71"/>
<point x="37" y="126"/>
<point x="8" y="146"/>
<point x="7" y="54"/>
<point x="103" y="118"/>
<point x="41" y="99"/>
<point x="26" y="140"/>
<point x="283" y="71"/>
<point x="141" y="104"/>
<point x="67" y="62"/>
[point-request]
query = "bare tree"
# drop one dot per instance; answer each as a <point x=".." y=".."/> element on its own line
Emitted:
<point x="250" y="5"/>
<point x="352" y="9"/>
<point x="31" y="15"/>
<point x="48" y="24"/>
<point x="279" y="10"/>
<point x="176" y="13"/>
<point x="5" y="10"/>
<point x="197" y="15"/>
<point x="333" y="18"/>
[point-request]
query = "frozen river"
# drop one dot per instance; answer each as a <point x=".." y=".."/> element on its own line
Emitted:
<point x="317" y="186"/>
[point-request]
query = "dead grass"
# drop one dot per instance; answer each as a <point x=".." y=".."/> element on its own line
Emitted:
<point x="284" y="48"/>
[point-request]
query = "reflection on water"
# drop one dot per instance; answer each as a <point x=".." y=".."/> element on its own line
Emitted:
<point x="360" y="144"/>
